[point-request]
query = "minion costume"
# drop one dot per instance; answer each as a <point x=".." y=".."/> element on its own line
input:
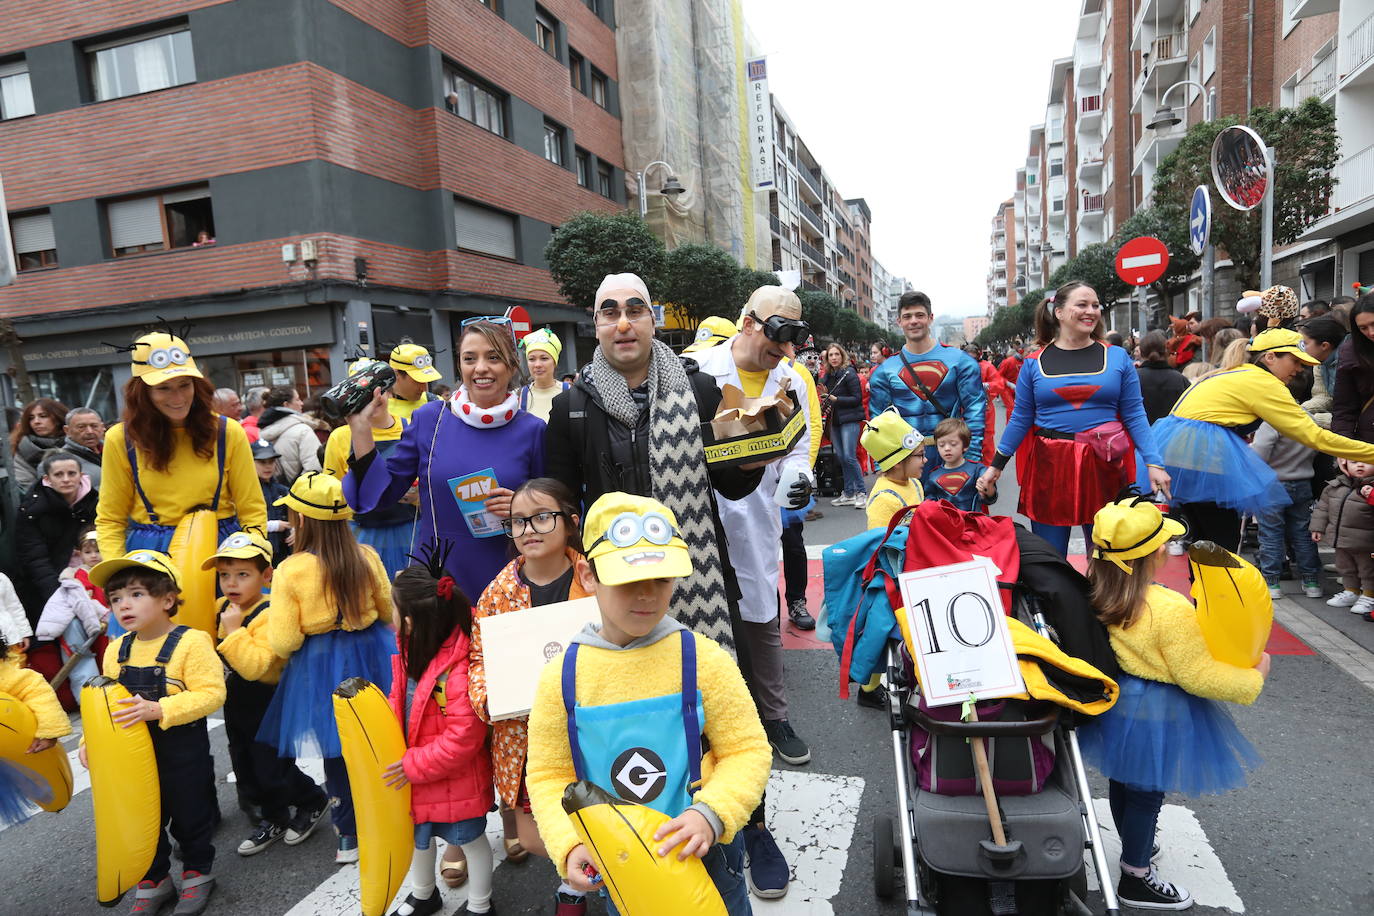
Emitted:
<point x="386" y="530"/>
<point x="890" y="440"/>
<point x="713" y="330"/>
<point x="631" y="718"/>
<point x="1215" y="474"/>
<point x="140" y="506"/>
<point x="20" y="777"/>
<point x="416" y="362"/>
<point x="539" y="401"/>
<point x="181" y="672"/>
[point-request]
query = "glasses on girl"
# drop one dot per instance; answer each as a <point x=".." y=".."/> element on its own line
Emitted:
<point x="539" y="523"/>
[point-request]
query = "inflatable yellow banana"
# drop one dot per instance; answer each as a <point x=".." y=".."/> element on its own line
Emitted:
<point x="372" y="741"/>
<point x="195" y="540"/>
<point x="1233" y="604"/>
<point x="50" y="768"/>
<point x="620" y="837"/>
<point x="124" y="791"/>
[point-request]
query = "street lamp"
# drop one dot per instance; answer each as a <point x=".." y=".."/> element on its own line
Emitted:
<point x="1167" y="117"/>
<point x="671" y="186"/>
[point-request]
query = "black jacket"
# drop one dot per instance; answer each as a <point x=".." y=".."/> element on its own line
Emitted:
<point x="45" y="535"/>
<point x="848" y="406"/>
<point x="1352" y="403"/>
<point x="595" y="453"/>
<point x="1160" y="387"/>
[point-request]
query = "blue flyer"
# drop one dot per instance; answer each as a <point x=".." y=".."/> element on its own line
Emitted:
<point x="470" y="492"/>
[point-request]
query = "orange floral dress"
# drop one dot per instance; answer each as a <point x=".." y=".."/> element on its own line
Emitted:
<point x="509" y="737"/>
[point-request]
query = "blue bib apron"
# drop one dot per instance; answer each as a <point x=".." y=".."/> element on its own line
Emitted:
<point x="644" y="751"/>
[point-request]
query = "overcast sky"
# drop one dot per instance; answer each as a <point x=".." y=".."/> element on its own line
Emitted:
<point x="921" y="107"/>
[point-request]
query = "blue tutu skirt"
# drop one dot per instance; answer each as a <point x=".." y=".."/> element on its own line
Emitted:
<point x="1210" y="464"/>
<point x="300" y="719"/>
<point x="392" y="543"/>
<point x="1161" y="738"/>
<point x="20" y="791"/>
<point x="455" y="834"/>
<point x="141" y="536"/>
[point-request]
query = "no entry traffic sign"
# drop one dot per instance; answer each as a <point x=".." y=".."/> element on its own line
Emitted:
<point x="519" y="321"/>
<point x="1142" y="261"/>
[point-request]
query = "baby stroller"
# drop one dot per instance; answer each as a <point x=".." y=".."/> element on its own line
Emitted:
<point x="939" y="846"/>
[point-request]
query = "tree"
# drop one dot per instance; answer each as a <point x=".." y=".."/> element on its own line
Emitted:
<point x="591" y="245"/>
<point x="698" y="281"/>
<point x="1169" y="224"/>
<point x="1013" y="323"/>
<point x="1306" y="148"/>
<point x="849" y="327"/>
<point x="819" y="310"/>
<point x="750" y="280"/>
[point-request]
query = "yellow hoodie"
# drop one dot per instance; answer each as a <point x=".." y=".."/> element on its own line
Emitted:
<point x="195" y="675"/>
<point x="247" y="650"/>
<point x="28" y="687"/>
<point x="300" y="607"/>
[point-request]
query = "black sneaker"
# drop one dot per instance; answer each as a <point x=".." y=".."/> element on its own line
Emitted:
<point x="875" y="698"/>
<point x="786" y="743"/>
<point x="305" y="822"/>
<point x="801" y="617"/>
<point x="415" y="906"/>
<point x="266" y="834"/>
<point x="1152" y="892"/>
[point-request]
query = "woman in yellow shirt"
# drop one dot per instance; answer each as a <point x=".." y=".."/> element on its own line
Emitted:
<point x="172" y="455"/>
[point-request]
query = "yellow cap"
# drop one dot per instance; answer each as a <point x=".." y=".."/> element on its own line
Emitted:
<point x="545" y="340"/>
<point x="1131" y="528"/>
<point x="241" y="545"/>
<point x="1282" y="340"/>
<point x="415" y="361"/>
<point x="713" y="330"/>
<point x="633" y="538"/>
<point x="160" y="357"/>
<point x="145" y="559"/>
<point x="889" y="438"/>
<point x="317" y="495"/>
<point x="358" y="365"/>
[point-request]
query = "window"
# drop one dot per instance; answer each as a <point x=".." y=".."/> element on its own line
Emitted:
<point x="16" y="96"/>
<point x="1288" y="92"/>
<point x="484" y="230"/>
<point x="600" y="88"/>
<point x="584" y="168"/>
<point x="546" y="31"/>
<point x="575" y="70"/>
<point x="594" y="6"/>
<point x="173" y="219"/>
<point x="1209" y="55"/>
<point x="474" y="101"/>
<point x="1057" y="205"/>
<point x="553" y="142"/>
<point x="1056" y="168"/>
<point x="33" y="240"/>
<point x="603" y="181"/>
<point x="1194" y="74"/>
<point x="142" y="64"/>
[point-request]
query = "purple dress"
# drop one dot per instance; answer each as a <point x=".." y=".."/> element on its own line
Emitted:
<point x="515" y="452"/>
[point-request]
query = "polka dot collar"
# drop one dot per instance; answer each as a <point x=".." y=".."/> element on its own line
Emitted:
<point x="484" y="417"/>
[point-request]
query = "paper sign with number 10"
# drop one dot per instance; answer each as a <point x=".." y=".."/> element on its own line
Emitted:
<point x="963" y="644"/>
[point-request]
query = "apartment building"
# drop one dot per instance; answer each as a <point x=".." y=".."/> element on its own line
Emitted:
<point x="860" y="264"/>
<point x="1002" y="257"/>
<point x="297" y="178"/>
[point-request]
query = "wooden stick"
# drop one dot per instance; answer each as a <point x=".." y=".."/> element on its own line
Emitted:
<point x="980" y="760"/>
<point x="78" y="653"/>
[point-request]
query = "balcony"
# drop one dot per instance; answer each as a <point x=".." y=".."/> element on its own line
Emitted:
<point x="815" y="254"/>
<point x="775" y="224"/>
<point x="814" y="219"/>
<point x="1089" y="107"/>
<point x="1093" y="203"/>
<point x="1089" y="162"/>
<point x="1354" y="179"/>
<point x="1359" y="49"/>
<point x="1319" y="81"/>
<point x="1165" y="64"/>
<point x="1302" y="9"/>
<point x="813" y="182"/>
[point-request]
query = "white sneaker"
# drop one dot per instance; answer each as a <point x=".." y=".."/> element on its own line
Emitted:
<point x="1343" y="599"/>
<point x="1176" y="549"/>
<point x="1363" y="606"/>
<point x="1312" y="590"/>
<point x="845" y="500"/>
<point x="860" y="501"/>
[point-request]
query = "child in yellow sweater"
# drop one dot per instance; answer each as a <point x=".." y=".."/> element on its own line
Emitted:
<point x="176" y="680"/>
<point x="899" y="451"/>
<point x="1166" y="733"/>
<point x="28" y="687"/>
<point x="331" y="603"/>
<point x="626" y="679"/>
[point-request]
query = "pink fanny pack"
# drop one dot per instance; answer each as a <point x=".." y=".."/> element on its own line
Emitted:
<point x="1109" y="440"/>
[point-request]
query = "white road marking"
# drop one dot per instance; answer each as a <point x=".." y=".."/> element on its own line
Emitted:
<point x="1186" y="856"/>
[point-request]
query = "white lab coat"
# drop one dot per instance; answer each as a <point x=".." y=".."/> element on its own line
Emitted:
<point x="754" y="524"/>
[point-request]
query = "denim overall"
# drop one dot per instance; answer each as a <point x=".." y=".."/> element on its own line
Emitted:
<point x="189" y="805"/>
<point x="649" y="752"/>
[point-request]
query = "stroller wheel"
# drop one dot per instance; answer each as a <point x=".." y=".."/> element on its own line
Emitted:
<point x="884" y="856"/>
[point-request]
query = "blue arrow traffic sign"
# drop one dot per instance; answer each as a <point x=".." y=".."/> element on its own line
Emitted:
<point x="1200" y="219"/>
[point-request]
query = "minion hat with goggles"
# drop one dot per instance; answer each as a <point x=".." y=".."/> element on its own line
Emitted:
<point x="144" y="559"/>
<point x="415" y="361"/>
<point x="890" y="439"/>
<point x="544" y="340"/>
<point x="319" y="496"/>
<point x="160" y="357"/>
<point x="359" y="364"/>
<point x="713" y="330"/>
<point x="1281" y="340"/>
<point x="633" y="538"/>
<point x="241" y="545"/>
<point x="1129" y="528"/>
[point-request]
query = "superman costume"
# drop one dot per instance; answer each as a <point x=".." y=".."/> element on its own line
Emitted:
<point x="957" y="485"/>
<point x="1060" y="393"/>
<point x="948" y="374"/>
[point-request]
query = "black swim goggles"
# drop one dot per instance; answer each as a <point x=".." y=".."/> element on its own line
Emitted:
<point x="783" y="330"/>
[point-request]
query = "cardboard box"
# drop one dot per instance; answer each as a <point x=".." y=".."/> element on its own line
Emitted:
<point x="516" y="646"/>
<point x="752" y="429"/>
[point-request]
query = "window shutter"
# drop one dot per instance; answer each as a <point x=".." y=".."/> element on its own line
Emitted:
<point x="185" y="194"/>
<point x="480" y="229"/>
<point x="33" y="233"/>
<point x="135" y="222"/>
